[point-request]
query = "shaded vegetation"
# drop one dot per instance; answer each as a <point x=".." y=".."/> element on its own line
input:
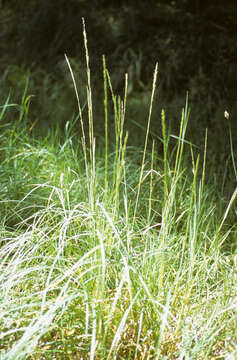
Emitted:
<point x="111" y="251"/>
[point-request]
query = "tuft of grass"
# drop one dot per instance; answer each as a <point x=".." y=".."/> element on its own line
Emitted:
<point x="107" y="253"/>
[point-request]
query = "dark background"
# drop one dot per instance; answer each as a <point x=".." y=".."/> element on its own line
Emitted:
<point x="194" y="42"/>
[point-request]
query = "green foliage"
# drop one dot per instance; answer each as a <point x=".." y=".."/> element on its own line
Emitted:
<point x="194" y="43"/>
<point x="108" y="253"/>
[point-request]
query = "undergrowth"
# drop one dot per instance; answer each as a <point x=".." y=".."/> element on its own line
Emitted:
<point x="110" y="252"/>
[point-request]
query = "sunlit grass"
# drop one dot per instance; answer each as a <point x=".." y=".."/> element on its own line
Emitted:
<point x="103" y="258"/>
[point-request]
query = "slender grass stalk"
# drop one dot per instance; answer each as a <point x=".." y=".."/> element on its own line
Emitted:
<point x="233" y="197"/>
<point x="122" y="144"/>
<point x="165" y="145"/>
<point x="120" y="139"/>
<point x="204" y="163"/>
<point x="81" y="120"/>
<point x="5" y="106"/>
<point x="106" y="127"/>
<point x="146" y="141"/>
<point x="181" y="140"/>
<point x="116" y="125"/>
<point x="90" y="117"/>
<point x="151" y="183"/>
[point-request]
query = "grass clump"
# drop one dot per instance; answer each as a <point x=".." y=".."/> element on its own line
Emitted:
<point x="103" y="258"/>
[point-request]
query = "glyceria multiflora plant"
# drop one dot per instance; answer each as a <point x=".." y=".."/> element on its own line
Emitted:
<point x="113" y="256"/>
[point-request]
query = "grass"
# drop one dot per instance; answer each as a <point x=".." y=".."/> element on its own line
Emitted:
<point x="108" y="252"/>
